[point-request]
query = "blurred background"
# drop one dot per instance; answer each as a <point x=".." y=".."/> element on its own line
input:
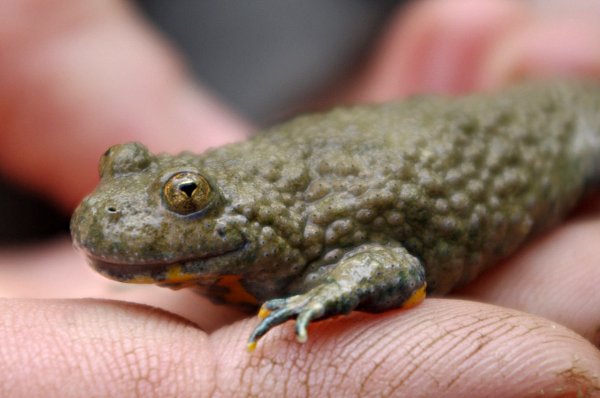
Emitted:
<point x="263" y="58"/>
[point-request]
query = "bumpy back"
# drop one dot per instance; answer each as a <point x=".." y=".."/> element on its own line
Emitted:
<point x="461" y="183"/>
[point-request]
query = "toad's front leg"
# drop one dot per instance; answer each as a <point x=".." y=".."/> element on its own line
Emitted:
<point x="373" y="277"/>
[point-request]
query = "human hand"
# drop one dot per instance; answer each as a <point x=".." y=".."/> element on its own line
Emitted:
<point x="444" y="346"/>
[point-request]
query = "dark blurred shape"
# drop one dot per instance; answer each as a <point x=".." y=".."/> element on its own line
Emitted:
<point x="265" y="56"/>
<point x="26" y="217"/>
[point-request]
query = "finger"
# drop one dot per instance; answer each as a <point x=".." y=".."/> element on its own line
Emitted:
<point x="445" y="348"/>
<point x="86" y="76"/>
<point x="100" y="348"/>
<point x="55" y="270"/>
<point x="556" y="277"/>
<point x="549" y="48"/>
<point x="442" y="348"/>
<point x="434" y="46"/>
<point x="447" y="46"/>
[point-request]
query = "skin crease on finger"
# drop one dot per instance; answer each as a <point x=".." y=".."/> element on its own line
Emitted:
<point x="448" y="347"/>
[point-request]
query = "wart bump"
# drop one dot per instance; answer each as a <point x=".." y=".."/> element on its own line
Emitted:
<point x="124" y="159"/>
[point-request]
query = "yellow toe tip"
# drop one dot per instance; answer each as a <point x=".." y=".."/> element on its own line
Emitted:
<point x="263" y="313"/>
<point x="251" y="346"/>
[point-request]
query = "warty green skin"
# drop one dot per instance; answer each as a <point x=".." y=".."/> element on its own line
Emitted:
<point x="356" y="207"/>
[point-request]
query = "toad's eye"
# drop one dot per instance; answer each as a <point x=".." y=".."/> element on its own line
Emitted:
<point x="186" y="192"/>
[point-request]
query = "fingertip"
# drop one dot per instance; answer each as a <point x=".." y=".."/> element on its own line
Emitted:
<point x="548" y="48"/>
<point x="437" y="46"/>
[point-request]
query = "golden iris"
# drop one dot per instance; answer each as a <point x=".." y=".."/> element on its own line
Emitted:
<point x="186" y="192"/>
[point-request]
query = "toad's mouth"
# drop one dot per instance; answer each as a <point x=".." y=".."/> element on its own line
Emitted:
<point x="168" y="272"/>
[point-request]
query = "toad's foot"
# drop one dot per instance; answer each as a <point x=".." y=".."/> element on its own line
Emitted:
<point x="372" y="277"/>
